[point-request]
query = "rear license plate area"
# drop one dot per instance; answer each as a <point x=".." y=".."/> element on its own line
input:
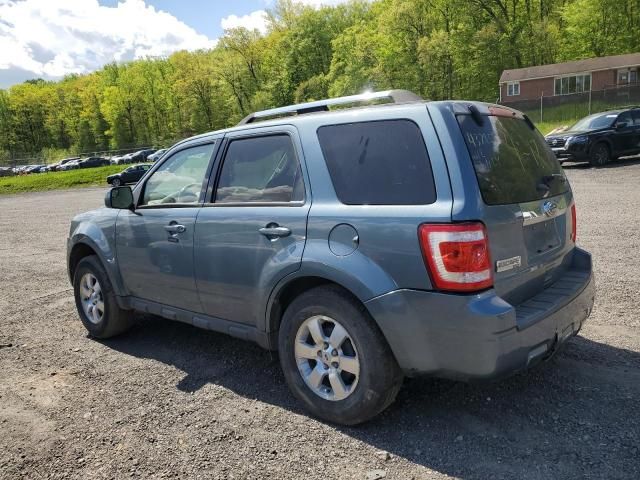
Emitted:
<point x="541" y="237"/>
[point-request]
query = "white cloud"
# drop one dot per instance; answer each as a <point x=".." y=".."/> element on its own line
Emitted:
<point x="51" y="38"/>
<point x="313" y="3"/>
<point x="320" y="3"/>
<point x="258" y="18"/>
<point x="254" y="20"/>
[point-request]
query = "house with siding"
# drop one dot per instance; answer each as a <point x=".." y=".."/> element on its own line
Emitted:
<point x="570" y="77"/>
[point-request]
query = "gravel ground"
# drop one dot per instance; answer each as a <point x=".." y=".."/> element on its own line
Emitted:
<point x="168" y="400"/>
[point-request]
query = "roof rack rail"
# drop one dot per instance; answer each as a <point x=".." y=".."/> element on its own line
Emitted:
<point x="395" y="96"/>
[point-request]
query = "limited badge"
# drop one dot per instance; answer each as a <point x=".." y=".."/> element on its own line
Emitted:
<point x="508" y="264"/>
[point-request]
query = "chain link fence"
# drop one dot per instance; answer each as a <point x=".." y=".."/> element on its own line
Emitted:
<point x="564" y="110"/>
<point x="17" y="161"/>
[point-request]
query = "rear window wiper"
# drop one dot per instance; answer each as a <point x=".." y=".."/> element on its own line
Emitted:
<point x="547" y="179"/>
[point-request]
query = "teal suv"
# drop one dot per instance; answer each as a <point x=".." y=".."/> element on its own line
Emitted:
<point x="365" y="238"/>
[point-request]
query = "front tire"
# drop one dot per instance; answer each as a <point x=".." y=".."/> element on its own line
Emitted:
<point x="116" y="182"/>
<point x="96" y="301"/>
<point x="600" y="155"/>
<point x="335" y="359"/>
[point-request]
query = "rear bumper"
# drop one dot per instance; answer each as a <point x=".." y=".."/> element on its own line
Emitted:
<point x="481" y="336"/>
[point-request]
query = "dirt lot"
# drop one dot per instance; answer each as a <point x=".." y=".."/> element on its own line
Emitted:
<point x="168" y="400"/>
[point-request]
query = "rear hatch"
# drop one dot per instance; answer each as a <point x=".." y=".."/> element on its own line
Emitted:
<point x="528" y="205"/>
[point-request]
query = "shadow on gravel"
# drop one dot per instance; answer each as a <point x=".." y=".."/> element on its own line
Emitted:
<point x="576" y="416"/>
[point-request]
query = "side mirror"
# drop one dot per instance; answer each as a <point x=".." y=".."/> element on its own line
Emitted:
<point x="120" y="198"/>
<point x="621" y="125"/>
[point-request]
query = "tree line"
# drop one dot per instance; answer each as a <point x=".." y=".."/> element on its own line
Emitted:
<point x="437" y="48"/>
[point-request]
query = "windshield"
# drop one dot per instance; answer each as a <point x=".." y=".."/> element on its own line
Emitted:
<point x="513" y="164"/>
<point x="593" y="122"/>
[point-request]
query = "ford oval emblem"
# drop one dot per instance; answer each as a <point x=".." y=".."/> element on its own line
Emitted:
<point x="549" y="208"/>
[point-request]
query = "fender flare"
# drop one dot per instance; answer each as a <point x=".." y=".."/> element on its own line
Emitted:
<point x="93" y="237"/>
<point x="357" y="275"/>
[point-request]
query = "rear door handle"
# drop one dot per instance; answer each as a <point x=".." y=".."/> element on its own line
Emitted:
<point x="273" y="232"/>
<point x="175" y="228"/>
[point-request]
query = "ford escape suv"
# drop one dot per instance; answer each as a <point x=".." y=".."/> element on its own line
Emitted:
<point x="363" y="242"/>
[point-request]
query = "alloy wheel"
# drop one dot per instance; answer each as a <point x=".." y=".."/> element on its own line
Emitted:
<point x="91" y="298"/>
<point x="601" y="155"/>
<point x="327" y="358"/>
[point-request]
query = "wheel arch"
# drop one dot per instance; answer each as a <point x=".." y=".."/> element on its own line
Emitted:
<point x="289" y="290"/>
<point x="77" y="253"/>
<point x="83" y="246"/>
<point x="605" y="141"/>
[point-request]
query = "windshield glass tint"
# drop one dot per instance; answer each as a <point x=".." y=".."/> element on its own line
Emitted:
<point x="595" y="121"/>
<point x="512" y="162"/>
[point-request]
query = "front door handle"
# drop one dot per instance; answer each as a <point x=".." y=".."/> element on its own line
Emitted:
<point x="275" y="231"/>
<point x="174" y="228"/>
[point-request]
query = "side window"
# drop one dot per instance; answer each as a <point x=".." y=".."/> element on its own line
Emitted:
<point x="378" y="163"/>
<point x="180" y="178"/>
<point x="625" y="117"/>
<point x="636" y="117"/>
<point x="260" y="169"/>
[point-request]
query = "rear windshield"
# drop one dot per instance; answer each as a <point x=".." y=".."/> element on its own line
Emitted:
<point x="513" y="163"/>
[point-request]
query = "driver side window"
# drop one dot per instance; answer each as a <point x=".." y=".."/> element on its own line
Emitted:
<point x="179" y="180"/>
<point x="625" y="117"/>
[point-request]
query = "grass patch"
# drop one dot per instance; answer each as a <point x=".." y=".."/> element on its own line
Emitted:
<point x="546" y="127"/>
<point x="37" y="182"/>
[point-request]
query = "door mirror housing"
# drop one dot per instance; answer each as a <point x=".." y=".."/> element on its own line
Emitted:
<point x="120" y="198"/>
<point x="621" y="125"/>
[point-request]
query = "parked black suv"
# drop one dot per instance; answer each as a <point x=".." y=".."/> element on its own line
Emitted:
<point x="599" y="138"/>
<point x="129" y="175"/>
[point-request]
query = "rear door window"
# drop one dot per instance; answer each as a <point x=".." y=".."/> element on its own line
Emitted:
<point x="512" y="161"/>
<point x="260" y="169"/>
<point x="378" y="163"/>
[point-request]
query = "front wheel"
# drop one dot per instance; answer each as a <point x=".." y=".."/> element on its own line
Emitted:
<point x="116" y="182"/>
<point x="335" y="359"/>
<point x="600" y="155"/>
<point x="96" y="301"/>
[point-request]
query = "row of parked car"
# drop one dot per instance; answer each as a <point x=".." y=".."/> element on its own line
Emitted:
<point x="73" y="163"/>
<point x="140" y="156"/>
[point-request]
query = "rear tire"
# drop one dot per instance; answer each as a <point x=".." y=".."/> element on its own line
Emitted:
<point x="355" y="377"/>
<point x="600" y="155"/>
<point x="96" y="301"/>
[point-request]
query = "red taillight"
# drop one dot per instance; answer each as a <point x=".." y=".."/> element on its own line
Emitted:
<point x="457" y="256"/>
<point x="574" y="223"/>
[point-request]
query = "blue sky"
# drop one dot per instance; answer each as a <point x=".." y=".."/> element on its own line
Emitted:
<point x="204" y="15"/>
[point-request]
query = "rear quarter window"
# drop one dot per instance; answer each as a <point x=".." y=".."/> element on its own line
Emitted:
<point x="378" y="163"/>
